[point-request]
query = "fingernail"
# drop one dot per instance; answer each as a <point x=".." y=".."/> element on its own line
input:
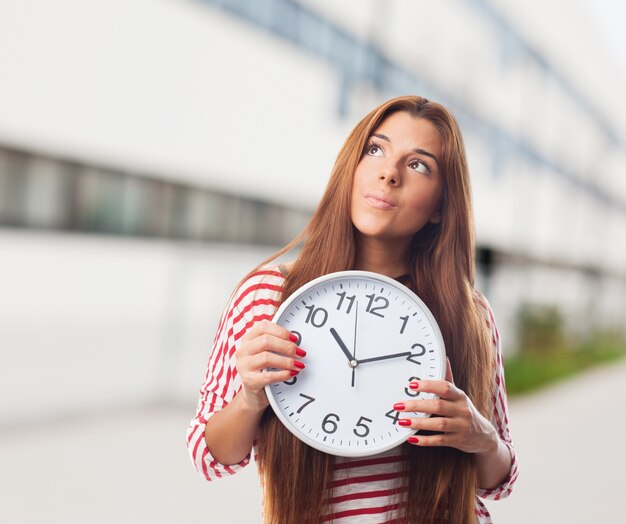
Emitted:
<point x="298" y="364"/>
<point x="293" y="338"/>
<point x="412" y="440"/>
<point x="399" y="406"/>
<point x="404" y="422"/>
<point x="293" y="372"/>
<point x="414" y="385"/>
<point x="300" y="352"/>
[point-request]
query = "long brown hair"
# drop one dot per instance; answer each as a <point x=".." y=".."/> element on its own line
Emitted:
<point x="441" y="481"/>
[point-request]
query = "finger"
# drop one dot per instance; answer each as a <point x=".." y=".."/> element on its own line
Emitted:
<point x="439" y="424"/>
<point x="435" y="406"/>
<point x="267" y="359"/>
<point x="442" y="388"/>
<point x="267" y="327"/>
<point x="449" y="375"/>
<point x="260" y="380"/>
<point x="270" y="342"/>
<point x="255" y="382"/>
<point x="431" y="440"/>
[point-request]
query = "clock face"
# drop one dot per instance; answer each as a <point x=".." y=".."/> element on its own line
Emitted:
<point x="366" y="337"/>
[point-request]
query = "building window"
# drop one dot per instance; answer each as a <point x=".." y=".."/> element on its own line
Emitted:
<point x="37" y="191"/>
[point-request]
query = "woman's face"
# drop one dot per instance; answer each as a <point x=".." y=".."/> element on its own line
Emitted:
<point x="397" y="184"/>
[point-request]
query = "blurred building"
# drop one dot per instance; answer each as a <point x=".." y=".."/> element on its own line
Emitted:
<point x="153" y="151"/>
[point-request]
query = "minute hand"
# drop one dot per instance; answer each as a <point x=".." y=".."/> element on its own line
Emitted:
<point x="409" y="356"/>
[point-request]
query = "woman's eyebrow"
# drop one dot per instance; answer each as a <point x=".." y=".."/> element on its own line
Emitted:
<point x="417" y="150"/>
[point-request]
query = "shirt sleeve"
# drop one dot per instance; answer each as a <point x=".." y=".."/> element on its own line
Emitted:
<point x="499" y="409"/>
<point x="255" y="300"/>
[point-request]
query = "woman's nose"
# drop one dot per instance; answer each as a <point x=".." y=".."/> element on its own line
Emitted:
<point x="389" y="174"/>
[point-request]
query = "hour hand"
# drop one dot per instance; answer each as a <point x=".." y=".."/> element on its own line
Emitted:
<point x="343" y="347"/>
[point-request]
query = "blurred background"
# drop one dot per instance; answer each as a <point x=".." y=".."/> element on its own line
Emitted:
<point x="153" y="151"/>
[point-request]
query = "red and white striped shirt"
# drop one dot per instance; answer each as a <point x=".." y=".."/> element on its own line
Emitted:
<point x="364" y="489"/>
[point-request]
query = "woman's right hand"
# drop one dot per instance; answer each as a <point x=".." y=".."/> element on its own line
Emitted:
<point x="266" y="345"/>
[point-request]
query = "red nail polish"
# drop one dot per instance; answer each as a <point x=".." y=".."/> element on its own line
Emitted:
<point x="413" y="440"/>
<point x="293" y="372"/>
<point x="298" y="364"/>
<point x="300" y="352"/>
<point x="404" y="422"/>
<point x="399" y="406"/>
<point x="414" y="385"/>
<point x="293" y="338"/>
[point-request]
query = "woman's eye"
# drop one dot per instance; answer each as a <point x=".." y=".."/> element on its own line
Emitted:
<point x="420" y="167"/>
<point x="374" y="150"/>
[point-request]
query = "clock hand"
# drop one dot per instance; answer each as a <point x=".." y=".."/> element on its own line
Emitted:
<point x="356" y="319"/>
<point x="410" y="356"/>
<point x="343" y="347"/>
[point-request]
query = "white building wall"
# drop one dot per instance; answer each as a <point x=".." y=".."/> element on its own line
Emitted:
<point x="169" y="87"/>
<point x="98" y="323"/>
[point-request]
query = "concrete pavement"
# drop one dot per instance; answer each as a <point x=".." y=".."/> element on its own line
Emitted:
<point x="570" y="440"/>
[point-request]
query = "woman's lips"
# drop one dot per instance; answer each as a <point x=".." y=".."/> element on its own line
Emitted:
<point x="380" y="201"/>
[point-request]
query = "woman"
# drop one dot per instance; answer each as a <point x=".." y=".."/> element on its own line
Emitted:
<point x="397" y="203"/>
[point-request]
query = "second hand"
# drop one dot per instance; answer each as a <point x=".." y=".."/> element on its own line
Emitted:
<point x="356" y="319"/>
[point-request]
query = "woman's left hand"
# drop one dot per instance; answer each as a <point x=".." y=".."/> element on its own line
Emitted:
<point x="460" y="424"/>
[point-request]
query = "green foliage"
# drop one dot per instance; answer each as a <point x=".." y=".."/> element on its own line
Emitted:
<point x="529" y="370"/>
<point x="541" y="329"/>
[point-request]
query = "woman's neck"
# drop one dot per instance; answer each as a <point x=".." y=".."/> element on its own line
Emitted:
<point x="388" y="258"/>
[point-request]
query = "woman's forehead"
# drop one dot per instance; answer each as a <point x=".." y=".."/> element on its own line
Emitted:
<point x="401" y="129"/>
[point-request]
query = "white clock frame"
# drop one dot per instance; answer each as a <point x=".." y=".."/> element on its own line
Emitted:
<point x="324" y="314"/>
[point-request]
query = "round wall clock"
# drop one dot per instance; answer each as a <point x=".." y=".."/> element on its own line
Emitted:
<point x="366" y="336"/>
